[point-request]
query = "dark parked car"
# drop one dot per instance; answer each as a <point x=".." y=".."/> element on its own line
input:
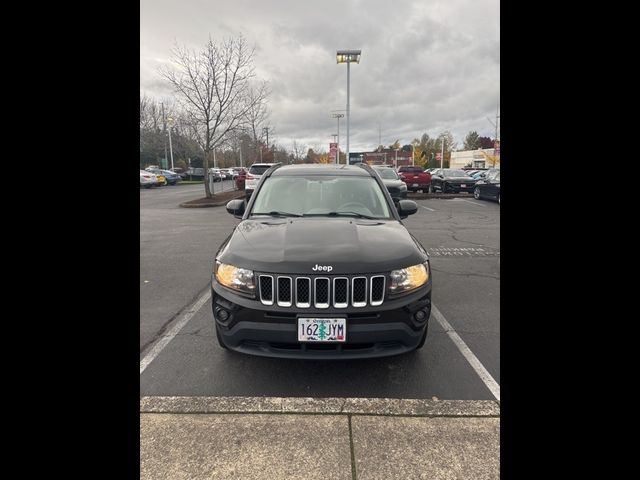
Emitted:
<point x="397" y="188"/>
<point x="196" y="172"/>
<point x="180" y="171"/>
<point x="321" y="266"/>
<point x="453" y="180"/>
<point x="489" y="187"/>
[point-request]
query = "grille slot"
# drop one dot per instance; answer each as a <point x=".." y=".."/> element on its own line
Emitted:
<point x="377" y="290"/>
<point x="336" y="292"/>
<point x="321" y="287"/>
<point x="359" y="291"/>
<point x="284" y="291"/>
<point x="266" y="289"/>
<point x="303" y="292"/>
<point x="341" y="292"/>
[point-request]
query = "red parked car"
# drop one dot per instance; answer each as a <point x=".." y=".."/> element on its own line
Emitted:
<point x="415" y="177"/>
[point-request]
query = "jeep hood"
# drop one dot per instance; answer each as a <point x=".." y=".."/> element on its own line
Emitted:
<point x="296" y="245"/>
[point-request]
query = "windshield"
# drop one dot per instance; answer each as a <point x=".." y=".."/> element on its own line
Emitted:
<point x="387" y="173"/>
<point x="454" y="173"/>
<point x="321" y="196"/>
<point x="258" y="169"/>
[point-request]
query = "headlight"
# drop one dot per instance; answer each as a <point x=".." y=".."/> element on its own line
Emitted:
<point x="409" y="278"/>
<point x="236" y="278"/>
<point x="403" y="186"/>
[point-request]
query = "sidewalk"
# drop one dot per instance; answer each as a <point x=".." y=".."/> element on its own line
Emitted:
<point x="323" y="438"/>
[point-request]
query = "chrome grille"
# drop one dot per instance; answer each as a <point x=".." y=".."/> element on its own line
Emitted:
<point x="321" y="292"/>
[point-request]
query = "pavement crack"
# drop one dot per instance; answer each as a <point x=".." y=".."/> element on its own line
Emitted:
<point x="465" y="241"/>
<point x="353" y="453"/>
<point x="495" y="277"/>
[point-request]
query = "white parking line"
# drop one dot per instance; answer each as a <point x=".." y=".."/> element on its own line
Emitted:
<point x="164" y="340"/>
<point x="430" y="209"/>
<point x="482" y="372"/>
<point x="469" y="201"/>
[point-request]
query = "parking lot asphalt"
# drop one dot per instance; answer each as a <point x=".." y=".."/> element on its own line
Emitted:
<point x="177" y="247"/>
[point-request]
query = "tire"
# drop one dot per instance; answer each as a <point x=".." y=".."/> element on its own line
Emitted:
<point x="476" y="193"/>
<point x="165" y="183"/>
<point x="219" y="337"/>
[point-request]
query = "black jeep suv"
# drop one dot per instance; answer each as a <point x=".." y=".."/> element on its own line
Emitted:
<point x="321" y="266"/>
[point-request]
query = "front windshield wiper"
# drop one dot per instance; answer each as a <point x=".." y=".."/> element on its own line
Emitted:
<point x="355" y="214"/>
<point x="275" y="213"/>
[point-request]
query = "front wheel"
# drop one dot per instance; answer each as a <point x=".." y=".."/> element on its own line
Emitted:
<point x="476" y="193"/>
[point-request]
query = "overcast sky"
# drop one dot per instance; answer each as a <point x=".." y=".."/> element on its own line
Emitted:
<point x="426" y="66"/>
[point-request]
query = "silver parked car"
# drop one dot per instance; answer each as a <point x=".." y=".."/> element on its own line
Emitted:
<point x="147" y="179"/>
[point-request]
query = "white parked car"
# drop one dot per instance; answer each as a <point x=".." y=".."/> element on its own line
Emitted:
<point x="147" y="179"/>
<point x="253" y="177"/>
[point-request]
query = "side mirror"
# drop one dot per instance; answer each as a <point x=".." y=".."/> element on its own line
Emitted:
<point x="236" y="208"/>
<point x="406" y="208"/>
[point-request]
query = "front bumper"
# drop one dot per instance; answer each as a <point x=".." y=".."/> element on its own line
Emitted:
<point x="271" y="331"/>
<point x="457" y="188"/>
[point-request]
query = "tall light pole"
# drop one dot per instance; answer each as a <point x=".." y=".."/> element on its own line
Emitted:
<point x="170" y="120"/>
<point x="495" y="140"/>
<point x="339" y="116"/>
<point x="442" y="154"/>
<point x="348" y="56"/>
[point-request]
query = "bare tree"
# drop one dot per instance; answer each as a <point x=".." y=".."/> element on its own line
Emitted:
<point x="298" y="151"/>
<point x="257" y="113"/>
<point x="213" y="86"/>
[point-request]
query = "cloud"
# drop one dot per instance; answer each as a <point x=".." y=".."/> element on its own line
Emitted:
<point x="426" y="66"/>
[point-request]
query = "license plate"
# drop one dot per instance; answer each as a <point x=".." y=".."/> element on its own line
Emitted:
<point x="463" y="185"/>
<point x="322" y="329"/>
<point x="414" y="185"/>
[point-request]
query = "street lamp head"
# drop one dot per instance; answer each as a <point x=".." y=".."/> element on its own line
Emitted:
<point x="346" y="56"/>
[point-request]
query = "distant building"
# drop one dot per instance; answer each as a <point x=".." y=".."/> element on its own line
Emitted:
<point x="481" y="158"/>
<point x="385" y="156"/>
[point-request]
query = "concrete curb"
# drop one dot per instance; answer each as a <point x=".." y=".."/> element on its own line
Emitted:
<point x="212" y="204"/>
<point x="328" y="406"/>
